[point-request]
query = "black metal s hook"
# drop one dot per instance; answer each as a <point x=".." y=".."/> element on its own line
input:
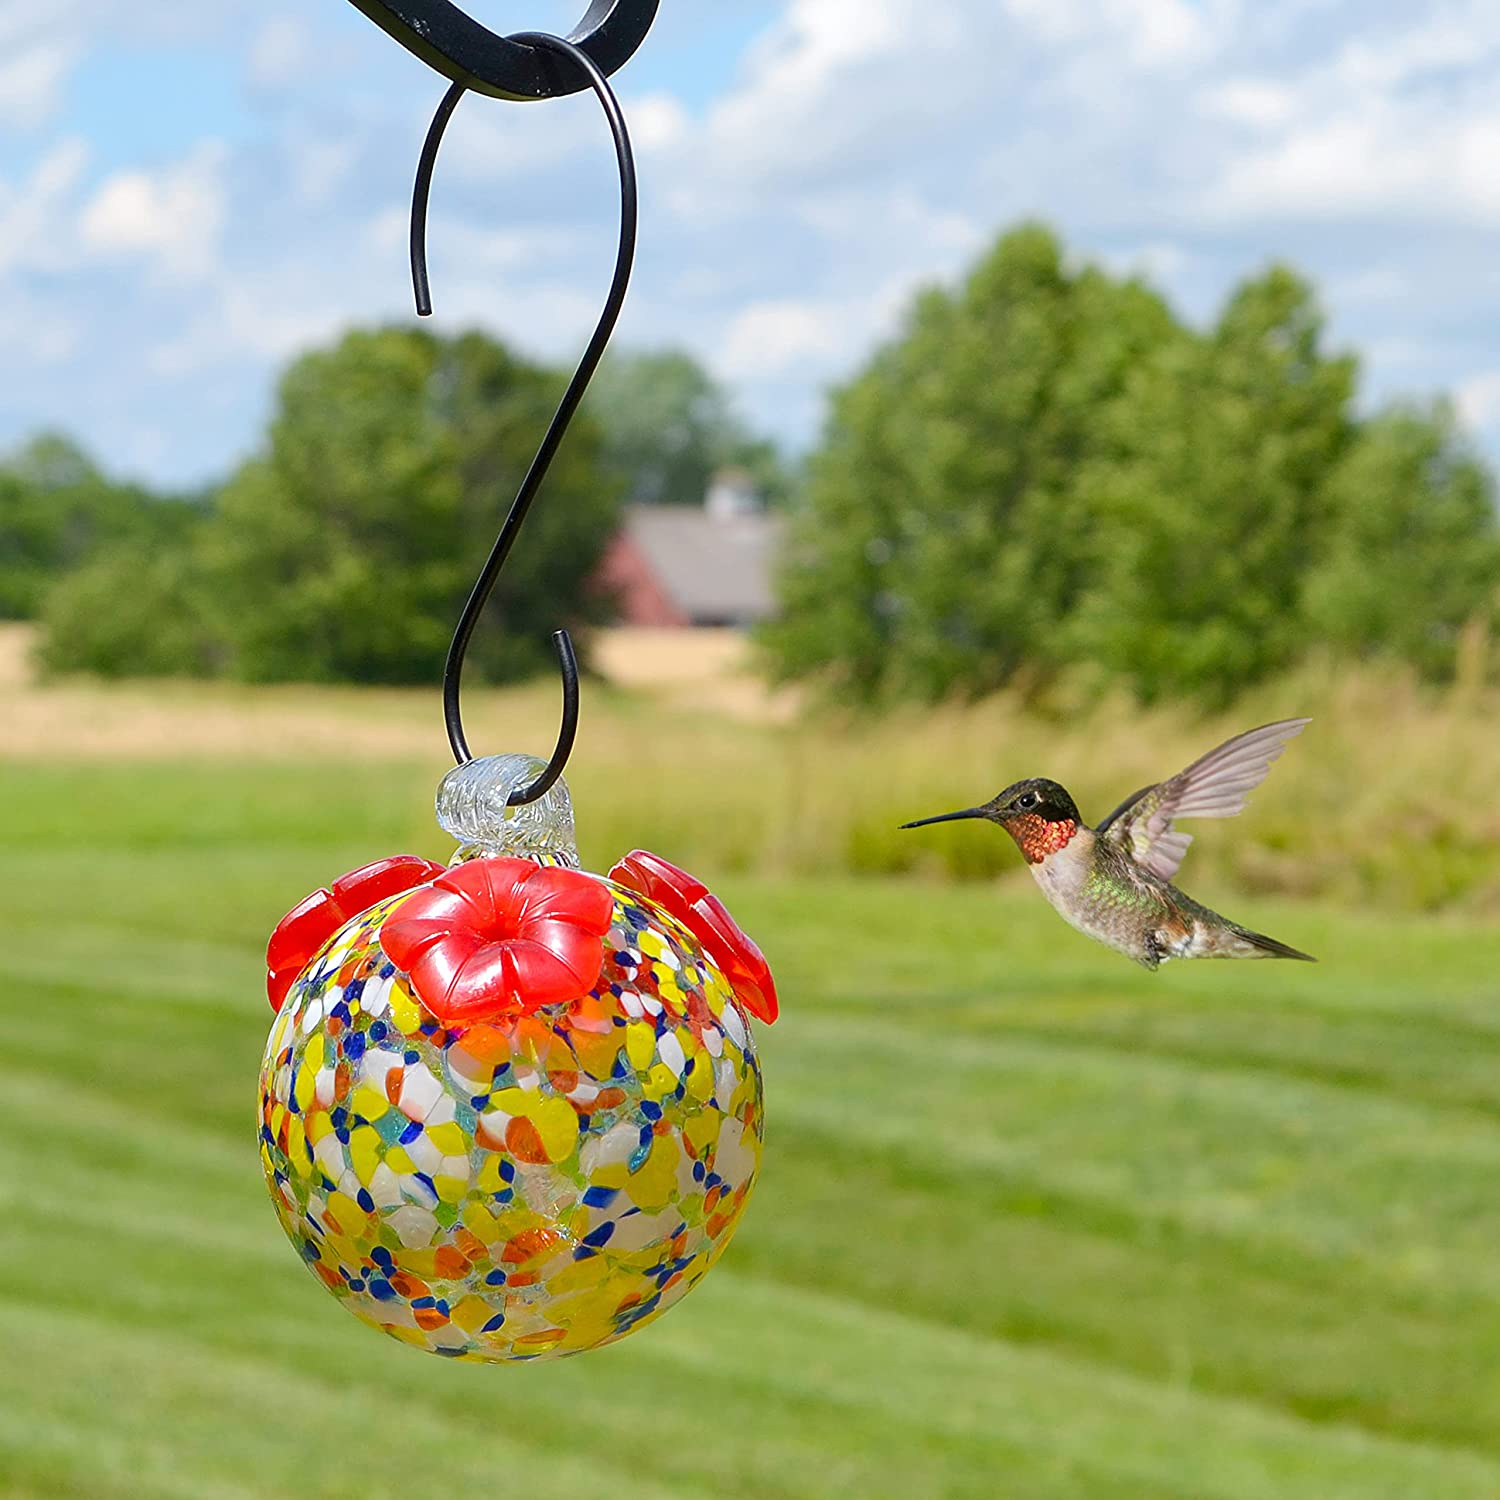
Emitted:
<point x="567" y="659"/>
<point x="516" y="67"/>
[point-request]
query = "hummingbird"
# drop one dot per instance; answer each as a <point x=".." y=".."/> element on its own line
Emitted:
<point x="1114" y="882"/>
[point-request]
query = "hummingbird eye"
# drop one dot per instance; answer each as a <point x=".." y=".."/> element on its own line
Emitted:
<point x="1027" y="800"/>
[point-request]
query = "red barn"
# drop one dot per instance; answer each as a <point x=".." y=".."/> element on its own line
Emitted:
<point x="687" y="565"/>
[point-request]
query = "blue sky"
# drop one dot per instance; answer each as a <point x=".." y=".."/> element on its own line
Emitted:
<point x="191" y="195"/>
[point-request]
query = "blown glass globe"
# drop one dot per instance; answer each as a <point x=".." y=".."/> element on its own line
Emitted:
<point x="510" y="1110"/>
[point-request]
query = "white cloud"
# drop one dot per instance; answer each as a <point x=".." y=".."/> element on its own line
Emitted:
<point x="1430" y="39"/>
<point x="816" y="338"/>
<point x="321" y="167"/>
<point x="148" y="448"/>
<point x="543" y="317"/>
<point x="1479" y="400"/>
<point x="1258" y="103"/>
<point x="282" y="52"/>
<point x="31" y="82"/>
<point x="40" y="332"/>
<point x="173" y="218"/>
<point x="80" y="24"/>
<point x="1373" y="284"/>
<point x="1157" y="260"/>
<point x="41" y="44"/>
<point x="257" y="321"/>
<point x="821" y="85"/>
<point x="474" y="248"/>
<point x="768" y="340"/>
<point x="903" y="215"/>
<point x="489" y="143"/>
<point x="1398" y="122"/>
<point x="657" y="121"/>
<point x="1374" y="160"/>
<point x="32" y="231"/>
<point x="1153" y="33"/>
<point x="1412" y="356"/>
<point x="857" y="150"/>
<point x="37" y="334"/>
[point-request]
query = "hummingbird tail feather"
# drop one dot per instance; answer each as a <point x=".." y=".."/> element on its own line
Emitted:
<point x="1270" y="948"/>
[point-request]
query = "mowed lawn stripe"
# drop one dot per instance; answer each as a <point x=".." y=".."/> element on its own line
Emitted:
<point x="1007" y="1252"/>
<point x="1302" y="1160"/>
<point x="1023" y="1262"/>
<point x="1227" y="1147"/>
<point x="1419" y="1063"/>
<point x="1031" y="1223"/>
<point x="1008" y="1210"/>
<point x="760" y="1391"/>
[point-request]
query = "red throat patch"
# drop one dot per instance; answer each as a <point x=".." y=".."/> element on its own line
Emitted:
<point x="1038" y="838"/>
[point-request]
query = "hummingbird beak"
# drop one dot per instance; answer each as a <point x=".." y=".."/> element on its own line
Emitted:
<point x="968" y="812"/>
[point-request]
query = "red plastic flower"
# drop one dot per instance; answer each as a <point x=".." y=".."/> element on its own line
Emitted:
<point x="498" y="935"/>
<point x="309" y="924"/>
<point x="704" y="915"/>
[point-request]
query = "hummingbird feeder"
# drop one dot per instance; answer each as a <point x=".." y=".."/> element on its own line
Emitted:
<point x="508" y="1109"/>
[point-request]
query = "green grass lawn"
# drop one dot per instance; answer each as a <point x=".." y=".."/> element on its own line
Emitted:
<point x="1032" y="1223"/>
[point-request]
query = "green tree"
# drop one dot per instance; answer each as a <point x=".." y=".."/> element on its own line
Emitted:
<point x="58" y="511"/>
<point x="347" y="549"/>
<point x="1046" y="470"/>
<point x="1414" y="549"/>
<point x="669" y="427"/>
<point x="1214" y="497"/>
<point x="945" y="542"/>
<point x="135" y="611"/>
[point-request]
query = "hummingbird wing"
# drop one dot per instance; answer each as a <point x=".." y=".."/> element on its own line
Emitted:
<point x="1217" y="785"/>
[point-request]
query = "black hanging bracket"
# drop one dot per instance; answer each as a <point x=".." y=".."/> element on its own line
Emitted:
<point x="527" y="65"/>
<point x="457" y="46"/>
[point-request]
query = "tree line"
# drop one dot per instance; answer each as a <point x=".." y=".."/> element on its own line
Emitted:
<point x="1046" y="471"/>
<point x="1049" y="470"/>
<point x="345" y="548"/>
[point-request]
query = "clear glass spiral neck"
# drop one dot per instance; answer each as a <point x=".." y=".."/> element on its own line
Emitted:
<point x="473" y="806"/>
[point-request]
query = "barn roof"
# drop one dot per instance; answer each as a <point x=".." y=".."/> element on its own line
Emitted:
<point x="713" y="567"/>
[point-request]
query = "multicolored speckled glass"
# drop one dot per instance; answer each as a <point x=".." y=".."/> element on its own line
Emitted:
<point x="533" y="1180"/>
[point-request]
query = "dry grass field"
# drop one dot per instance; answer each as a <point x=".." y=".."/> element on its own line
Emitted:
<point x="1392" y="797"/>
